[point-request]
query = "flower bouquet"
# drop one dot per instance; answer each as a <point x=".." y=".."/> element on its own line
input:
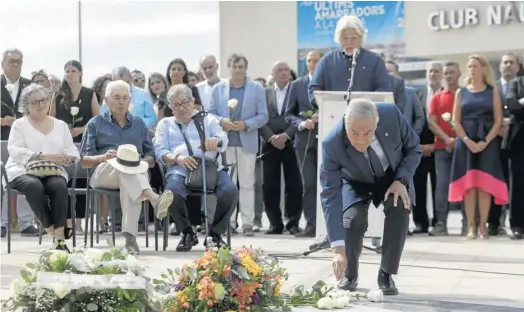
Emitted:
<point x="74" y="110"/>
<point x="85" y="280"/>
<point x="232" y="105"/>
<point x="224" y="280"/>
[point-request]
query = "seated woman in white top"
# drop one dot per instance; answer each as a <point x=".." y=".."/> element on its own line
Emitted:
<point x="37" y="140"/>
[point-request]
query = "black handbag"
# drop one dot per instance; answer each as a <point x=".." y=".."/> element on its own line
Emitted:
<point x="195" y="178"/>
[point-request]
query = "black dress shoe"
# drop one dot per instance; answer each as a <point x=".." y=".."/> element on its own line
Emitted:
<point x="308" y="232"/>
<point x="294" y="230"/>
<point x="348" y="284"/>
<point x="517" y="234"/>
<point x="386" y="284"/>
<point x="275" y="230"/>
<point x="188" y="241"/>
<point x="420" y="230"/>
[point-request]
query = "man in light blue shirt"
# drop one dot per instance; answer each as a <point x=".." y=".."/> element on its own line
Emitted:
<point x="141" y="105"/>
<point x="177" y="145"/>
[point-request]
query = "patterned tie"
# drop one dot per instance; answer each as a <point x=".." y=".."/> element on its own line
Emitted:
<point x="375" y="163"/>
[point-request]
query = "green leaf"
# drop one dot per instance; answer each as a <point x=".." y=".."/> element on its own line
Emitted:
<point x="219" y="291"/>
<point x="163" y="275"/>
<point x="92" y="307"/>
<point x="318" y="285"/>
<point x="158" y="282"/>
<point x="170" y="272"/>
<point x="286" y="308"/>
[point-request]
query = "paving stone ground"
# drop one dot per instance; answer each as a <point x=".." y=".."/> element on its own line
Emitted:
<point x="437" y="274"/>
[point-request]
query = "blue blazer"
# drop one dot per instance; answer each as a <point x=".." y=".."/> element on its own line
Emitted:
<point x="341" y="166"/>
<point x="297" y="102"/>
<point x="332" y="74"/>
<point x="413" y="111"/>
<point x="254" y="110"/>
<point x="398" y="88"/>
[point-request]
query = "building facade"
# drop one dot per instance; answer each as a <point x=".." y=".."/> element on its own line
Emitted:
<point x="268" y="31"/>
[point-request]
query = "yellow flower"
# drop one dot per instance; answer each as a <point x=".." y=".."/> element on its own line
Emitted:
<point x="277" y="289"/>
<point x="251" y="266"/>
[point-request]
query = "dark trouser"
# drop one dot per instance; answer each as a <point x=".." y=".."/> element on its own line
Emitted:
<point x="516" y="219"/>
<point x="443" y="161"/>
<point x="259" y="198"/>
<point x="80" y="202"/>
<point x="226" y="194"/>
<point x="497" y="217"/>
<point x="309" y="181"/>
<point x="271" y="168"/>
<point x="396" y="224"/>
<point x="38" y="190"/>
<point x="420" y="180"/>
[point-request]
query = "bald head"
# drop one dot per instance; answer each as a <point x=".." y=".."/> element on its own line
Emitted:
<point x="209" y="67"/>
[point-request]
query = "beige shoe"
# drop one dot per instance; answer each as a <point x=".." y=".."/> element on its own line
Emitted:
<point x="163" y="203"/>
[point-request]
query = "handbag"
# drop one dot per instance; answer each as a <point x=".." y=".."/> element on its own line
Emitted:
<point x="43" y="168"/>
<point x="195" y="178"/>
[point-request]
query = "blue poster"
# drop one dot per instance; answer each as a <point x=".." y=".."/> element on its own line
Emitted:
<point x="317" y="20"/>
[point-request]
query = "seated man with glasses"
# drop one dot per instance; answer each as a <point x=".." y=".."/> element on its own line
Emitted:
<point x="107" y="132"/>
<point x="176" y="139"/>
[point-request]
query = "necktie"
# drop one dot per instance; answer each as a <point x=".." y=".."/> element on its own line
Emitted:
<point x="505" y="89"/>
<point x="375" y="163"/>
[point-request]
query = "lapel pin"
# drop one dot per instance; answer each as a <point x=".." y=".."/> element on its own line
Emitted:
<point x="363" y="67"/>
<point x="386" y="134"/>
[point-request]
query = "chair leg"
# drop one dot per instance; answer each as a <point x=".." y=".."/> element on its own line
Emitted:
<point x="89" y="212"/>
<point x="145" y="209"/>
<point x="9" y="221"/>
<point x="40" y="228"/>
<point x="165" y="232"/>
<point x="229" y="236"/>
<point x="92" y="224"/>
<point x="156" y="233"/>
<point x="113" y="216"/>
<point x="98" y="220"/>
<point x="73" y="217"/>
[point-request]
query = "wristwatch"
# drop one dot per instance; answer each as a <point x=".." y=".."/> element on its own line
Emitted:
<point x="465" y="139"/>
<point x="403" y="181"/>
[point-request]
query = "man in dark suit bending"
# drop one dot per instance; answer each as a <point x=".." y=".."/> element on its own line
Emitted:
<point x="370" y="156"/>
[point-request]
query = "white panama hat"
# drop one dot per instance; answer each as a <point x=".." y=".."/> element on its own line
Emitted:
<point x="128" y="161"/>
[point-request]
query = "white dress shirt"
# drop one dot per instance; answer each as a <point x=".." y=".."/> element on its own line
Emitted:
<point x="281" y="97"/>
<point x="16" y="84"/>
<point x="204" y="91"/>
<point x="24" y="141"/>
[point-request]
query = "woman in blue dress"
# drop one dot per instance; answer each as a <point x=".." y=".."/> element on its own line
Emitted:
<point x="476" y="174"/>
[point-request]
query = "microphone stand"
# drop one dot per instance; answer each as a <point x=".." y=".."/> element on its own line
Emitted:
<point x="351" y="69"/>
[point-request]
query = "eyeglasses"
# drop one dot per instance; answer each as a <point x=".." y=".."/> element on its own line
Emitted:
<point x="38" y="102"/>
<point x="179" y="105"/>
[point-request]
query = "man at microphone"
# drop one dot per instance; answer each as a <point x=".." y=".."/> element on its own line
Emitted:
<point x="334" y="71"/>
<point x="369" y="156"/>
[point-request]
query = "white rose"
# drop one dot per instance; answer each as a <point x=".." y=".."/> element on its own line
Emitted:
<point x="79" y="262"/>
<point x="341" y="302"/>
<point x="10" y="87"/>
<point x="325" y="303"/>
<point x="94" y="254"/>
<point x="16" y="287"/>
<point x="58" y="256"/>
<point x="74" y="110"/>
<point x="132" y="262"/>
<point x="375" y="295"/>
<point x="446" y="117"/>
<point x="232" y="103"/>
<point x="61" y="290"/>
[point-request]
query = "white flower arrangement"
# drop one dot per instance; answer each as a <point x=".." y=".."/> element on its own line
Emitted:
<point x="85" y="280"/>
<point x="446" y="117"/>
<point x="74" y="110"/>
<point x="10" y="87"/>
<point x="339" y="299"/>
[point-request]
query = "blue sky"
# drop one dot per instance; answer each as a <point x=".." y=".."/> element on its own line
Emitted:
<point x="143" y="35"/>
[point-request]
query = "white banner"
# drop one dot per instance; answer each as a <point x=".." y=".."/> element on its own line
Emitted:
<point x="76" y="281"/>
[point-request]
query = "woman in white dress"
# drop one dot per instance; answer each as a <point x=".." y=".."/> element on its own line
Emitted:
<point x="39" y="146"/>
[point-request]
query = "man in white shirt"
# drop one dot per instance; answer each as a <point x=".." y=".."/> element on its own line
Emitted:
<point x="209" y="67"/>
<point x="11" y="87"/>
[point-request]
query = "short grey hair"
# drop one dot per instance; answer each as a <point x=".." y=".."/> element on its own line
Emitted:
<point x="9" y="51"/>
<point x="179" y="89"/>
<point x="120" y="71"/>
<point x="349" y="21"/>
<point x="361" y="108"/>
<point x="117" y="84"/>
<point x="26" y="93"/>
<point x="437" y="64"/>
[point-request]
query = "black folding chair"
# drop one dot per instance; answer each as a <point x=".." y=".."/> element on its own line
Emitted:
<point x="93" y="194"/>
<point x="230" y="168"/>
